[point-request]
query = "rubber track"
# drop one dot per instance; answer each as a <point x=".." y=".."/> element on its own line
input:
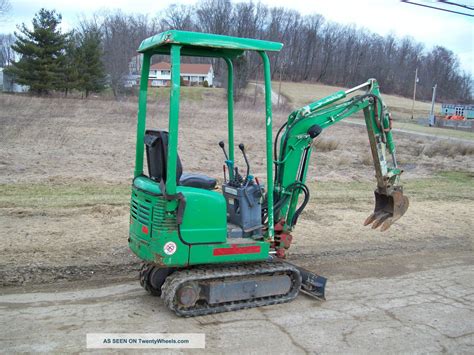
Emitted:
<point x="145" y="280"/>
<point x="201" y="273"/>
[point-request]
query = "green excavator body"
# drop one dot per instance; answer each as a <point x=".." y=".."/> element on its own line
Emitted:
<point x="206" y="251"/>
<point x="201" y="235"/>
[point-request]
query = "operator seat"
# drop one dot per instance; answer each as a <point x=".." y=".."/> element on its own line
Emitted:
<point x="157" y="156"/>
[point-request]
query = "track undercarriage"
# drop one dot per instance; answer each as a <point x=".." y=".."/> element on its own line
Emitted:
<point x="202" y="290"/>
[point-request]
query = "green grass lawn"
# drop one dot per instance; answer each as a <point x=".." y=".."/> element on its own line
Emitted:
<point x="434" y="130"/>
<point x="303" y="93"/>
<point x="193" y="93"/>
<point x="444" y="186"/>
<point x="62" y="196"/>
<point x="413" y="127"/>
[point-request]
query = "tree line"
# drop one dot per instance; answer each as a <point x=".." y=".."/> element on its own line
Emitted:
<point x="315" y="49"/>
<point x="50" y="60"/>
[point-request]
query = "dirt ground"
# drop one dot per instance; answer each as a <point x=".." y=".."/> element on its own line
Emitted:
<point x="420" y="311"/>
<point x="66" y="167"/>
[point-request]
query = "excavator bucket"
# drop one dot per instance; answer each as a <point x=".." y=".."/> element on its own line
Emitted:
<point x="388" y="208"/>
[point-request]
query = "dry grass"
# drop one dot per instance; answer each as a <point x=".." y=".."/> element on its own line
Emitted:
<point x="448" y="149"/>
<point x="66" y="168"/>
<point x="435" y="131"/>
<point x="74" y="139"/>
<point x="418" y="149"/>
<point x="367" y="160"/>
<point x="301" y="94"/>
<point x="325" y="145"/>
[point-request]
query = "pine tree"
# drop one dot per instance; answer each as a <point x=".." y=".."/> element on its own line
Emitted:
<point x="90" y="68"/>
<point x="41" y="66"/>
<point x="71" y="67"/>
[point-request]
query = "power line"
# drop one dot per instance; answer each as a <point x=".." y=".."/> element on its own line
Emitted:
<point x="456" y="4"/>
<point x="437" y="8"/>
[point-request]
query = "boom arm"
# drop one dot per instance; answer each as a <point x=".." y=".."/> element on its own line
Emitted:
<point x="295" y="149"/>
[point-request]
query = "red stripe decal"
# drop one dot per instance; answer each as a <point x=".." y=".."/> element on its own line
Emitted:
<point x="234" y="249"/>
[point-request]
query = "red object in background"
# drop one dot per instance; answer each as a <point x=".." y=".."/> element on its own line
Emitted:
<point x="454" y="118"/>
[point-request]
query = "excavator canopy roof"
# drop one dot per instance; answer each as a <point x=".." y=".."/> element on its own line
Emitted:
<point x="204" y="44"/>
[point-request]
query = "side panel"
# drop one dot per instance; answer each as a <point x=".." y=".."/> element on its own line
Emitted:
<point x="205" y="216"/>
<point x="152" y="231"/>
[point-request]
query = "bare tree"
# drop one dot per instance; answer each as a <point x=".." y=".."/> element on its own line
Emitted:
<point x="178" y="17"/>
<point x="7" y="54"/>
<point x="314" y="48"/>
<point x="214" y="16"/>
<point x="121" y="36"/>
<point x="5" y="7"/>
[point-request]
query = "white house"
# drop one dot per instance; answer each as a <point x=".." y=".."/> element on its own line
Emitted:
<point x="131" y="80"/>
<point x="192" y="74"/>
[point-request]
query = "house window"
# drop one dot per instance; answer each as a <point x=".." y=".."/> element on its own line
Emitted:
<point x="201" y="78"/>
<point x="165" y="72"/>
<point x="459" y="111"/>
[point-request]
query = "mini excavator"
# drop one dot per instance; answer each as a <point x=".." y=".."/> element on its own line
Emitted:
<point x="206" y="250"/>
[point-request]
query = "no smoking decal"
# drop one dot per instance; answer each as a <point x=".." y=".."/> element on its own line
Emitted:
<point x="170" y="248"/>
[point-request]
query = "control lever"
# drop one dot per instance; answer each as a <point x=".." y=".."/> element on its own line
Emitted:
<point x="242" y="148"/>
<point x="221" y="144"/>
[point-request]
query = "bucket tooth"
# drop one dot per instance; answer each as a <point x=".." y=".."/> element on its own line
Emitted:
<point x="379" y="219"/>
<point x="370" y="219"/>
<point x="386" y="224"/>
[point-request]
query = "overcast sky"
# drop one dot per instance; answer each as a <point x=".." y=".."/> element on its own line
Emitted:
<point x="428" y="26"/>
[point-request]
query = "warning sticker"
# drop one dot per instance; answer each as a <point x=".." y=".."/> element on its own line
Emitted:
<point x="170" y="248"/>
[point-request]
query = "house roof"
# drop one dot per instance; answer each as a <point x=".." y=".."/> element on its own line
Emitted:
<point x="185" y="68"/>
<point x="205" y="44"/>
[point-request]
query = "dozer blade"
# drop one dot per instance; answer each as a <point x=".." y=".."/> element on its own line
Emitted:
<point x="311" y="284"/>
<point x="388" y="208"/>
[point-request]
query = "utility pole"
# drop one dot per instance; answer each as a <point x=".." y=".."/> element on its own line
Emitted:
<point x="414" y="94"/>
<point x="433" y="98"/>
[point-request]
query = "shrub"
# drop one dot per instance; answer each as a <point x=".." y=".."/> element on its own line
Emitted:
<point x="448" y="149"/>
<point x="367" y="160"/>
<point x="325" y="145"/>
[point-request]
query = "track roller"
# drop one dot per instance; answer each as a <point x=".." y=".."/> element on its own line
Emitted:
<point x="204" y="290"/>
